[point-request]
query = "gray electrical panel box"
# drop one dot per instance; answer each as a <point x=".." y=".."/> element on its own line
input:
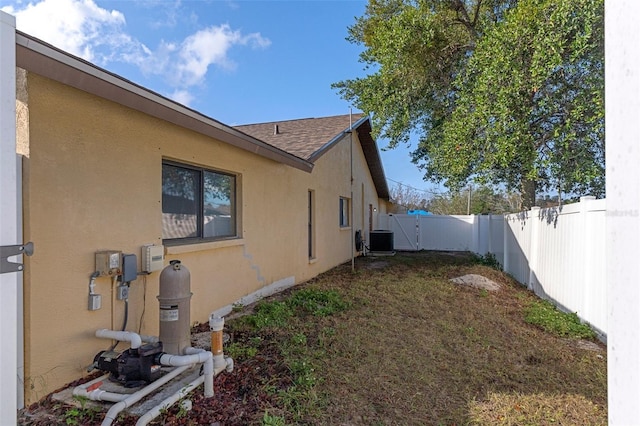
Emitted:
<point x="109" y="262"/>
<point x="95" y="302"/>
<point x="129" y="268"/>
<point x="152" y="258"/>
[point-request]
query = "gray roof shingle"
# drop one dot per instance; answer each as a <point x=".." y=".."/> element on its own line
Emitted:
<point x="309" y="138"/>
<point x="303" y="137"/>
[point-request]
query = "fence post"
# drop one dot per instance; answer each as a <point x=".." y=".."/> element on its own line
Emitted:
<point x="505" y="244"/>
<point x="490" y="235"/>
<point x="534" y="237"/>
<point x="475" y="237"/>
<point x="586" y="252"/>
<point x="417" y="231"/>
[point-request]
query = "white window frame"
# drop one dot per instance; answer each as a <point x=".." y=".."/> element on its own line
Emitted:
<point x="345" y="212"/>
<point x="199" y="236"/>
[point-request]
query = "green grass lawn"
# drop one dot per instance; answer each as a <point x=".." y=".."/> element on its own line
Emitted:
<point x="396" y="343"/>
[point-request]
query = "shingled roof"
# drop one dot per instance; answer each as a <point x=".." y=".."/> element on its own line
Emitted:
<point x="310" y="138"/>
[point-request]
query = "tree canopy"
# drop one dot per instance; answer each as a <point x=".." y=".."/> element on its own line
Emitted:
<point x="470" y="200"/>
<point x="474" y="200"/>
<point x="404" y="197"/>
<point x="497" y="91"/>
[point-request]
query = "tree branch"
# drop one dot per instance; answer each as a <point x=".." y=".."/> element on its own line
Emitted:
<point x="459" y="7"/>
<point x="476" y="13"/>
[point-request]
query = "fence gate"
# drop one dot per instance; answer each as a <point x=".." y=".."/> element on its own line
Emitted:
<point x="405" y="232"/>
<point x="434" y="232"/>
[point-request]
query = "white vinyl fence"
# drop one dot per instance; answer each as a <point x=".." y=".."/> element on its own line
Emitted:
<point x="559" y="253"/>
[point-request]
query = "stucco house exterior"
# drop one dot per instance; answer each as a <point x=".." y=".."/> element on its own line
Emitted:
<point x="110" y="165"/>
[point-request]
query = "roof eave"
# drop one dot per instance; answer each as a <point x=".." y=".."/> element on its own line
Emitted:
<point x="372" y="156"/>
<point x="327" y="146"/>
<point x="370" y="150"/>
<point x="43" y="59"/>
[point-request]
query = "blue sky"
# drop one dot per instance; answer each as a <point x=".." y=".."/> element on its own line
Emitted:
<point x="236" y="61"/>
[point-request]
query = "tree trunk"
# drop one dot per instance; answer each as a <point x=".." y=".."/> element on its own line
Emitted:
<point x="528" y="193"/>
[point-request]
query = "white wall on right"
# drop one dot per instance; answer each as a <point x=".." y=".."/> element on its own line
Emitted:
<point x="622" y="100"/>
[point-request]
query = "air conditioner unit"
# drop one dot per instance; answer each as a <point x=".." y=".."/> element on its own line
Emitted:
<point x="380" y="240"/>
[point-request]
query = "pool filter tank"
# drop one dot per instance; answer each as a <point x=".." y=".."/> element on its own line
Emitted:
<point x="175" y="315"/>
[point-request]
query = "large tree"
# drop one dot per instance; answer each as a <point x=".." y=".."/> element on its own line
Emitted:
<point x="404" y="197"/>
<point x="500" y="92"/>
<point x="473" y="200"/>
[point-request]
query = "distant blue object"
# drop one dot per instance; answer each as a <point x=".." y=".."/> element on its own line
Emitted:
<point x="419" y="212"/>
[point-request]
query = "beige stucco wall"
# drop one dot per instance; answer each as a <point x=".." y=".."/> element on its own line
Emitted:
<point x="92" y="181"/>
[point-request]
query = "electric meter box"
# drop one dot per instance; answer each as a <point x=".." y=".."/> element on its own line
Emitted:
<point x="109" y="262"/>
<point x="129" y="267"/>
<point x="152" y="258"/>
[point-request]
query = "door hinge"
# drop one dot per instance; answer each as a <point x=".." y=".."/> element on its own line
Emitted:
<point x="8" y="251"/>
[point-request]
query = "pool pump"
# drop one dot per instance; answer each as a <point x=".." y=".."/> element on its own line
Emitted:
<point x="132" y="367"/>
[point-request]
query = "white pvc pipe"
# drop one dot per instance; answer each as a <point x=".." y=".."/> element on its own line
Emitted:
<point x="191" y="350"/>
<point x="98" y="394"/>
<point x="180" y="360"/>
<point x="168" y="402"/>
<point x="135" y="397"/>
<point x="228" y="364"/>
<point x="205" y="358"/>
<point x="149" y="339"/>
<point x="192" y="356"/>
<point x="123" y="336"/>
<point x="156" y="411"/>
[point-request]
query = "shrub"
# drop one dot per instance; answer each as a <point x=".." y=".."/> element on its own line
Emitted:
<point x="546" y="316"/>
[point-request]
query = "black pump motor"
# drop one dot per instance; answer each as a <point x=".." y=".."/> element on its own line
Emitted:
<point x="132" y="367"/>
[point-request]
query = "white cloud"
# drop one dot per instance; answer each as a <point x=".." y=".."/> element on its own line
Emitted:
<point x="182" y="96"/>
<point x="75" y="26"/>
<point x="84" y="29"/>
<point x="186" y="64"/>
<point x="204" y="48"/>
<point x="171" y="12"/>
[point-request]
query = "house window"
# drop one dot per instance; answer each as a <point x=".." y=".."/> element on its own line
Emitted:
<point x="197" y="203"/>
<point x="344" y="212"/>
